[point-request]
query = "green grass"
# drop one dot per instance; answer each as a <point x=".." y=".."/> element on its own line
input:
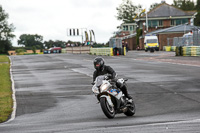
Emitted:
<point x="4" y="58"/>
<point x="5" y="89"/>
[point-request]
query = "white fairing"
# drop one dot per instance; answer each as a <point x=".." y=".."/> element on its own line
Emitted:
<point x="105" y="85"/>
<point x="95" y="90"/>
<point x="108" y="100"/>
<point x="115" y="94"/>
<point x="101" y="85"/>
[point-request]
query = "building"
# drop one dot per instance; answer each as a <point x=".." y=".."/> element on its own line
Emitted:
<point x="130" y="27"/>
<point x="165" y="16"/>
<point x="162" y="17"/>
<point x="171" y="32"/>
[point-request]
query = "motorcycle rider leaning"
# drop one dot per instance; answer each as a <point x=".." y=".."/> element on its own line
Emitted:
<point x="102" y="69"/>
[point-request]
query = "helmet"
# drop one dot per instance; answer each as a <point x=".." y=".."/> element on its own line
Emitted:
<point x="99" y="63"/>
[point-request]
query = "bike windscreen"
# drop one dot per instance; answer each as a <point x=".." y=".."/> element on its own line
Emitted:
<point x="99" y="80"/>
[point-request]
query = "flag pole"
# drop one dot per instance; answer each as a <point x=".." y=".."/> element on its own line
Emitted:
<point x="146" y="22"/>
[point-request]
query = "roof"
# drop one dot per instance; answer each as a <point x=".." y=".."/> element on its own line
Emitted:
<point x="166" y="10"/>
<point x="178" y="28"/>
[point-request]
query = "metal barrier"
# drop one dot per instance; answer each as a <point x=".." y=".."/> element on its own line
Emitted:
<point x="183" y="41"/>
<point x="196" y="36"/>
<point x="188" y="40"/>
<point x="101" y="51"/>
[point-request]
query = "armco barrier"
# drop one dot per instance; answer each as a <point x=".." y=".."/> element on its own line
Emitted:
<point x="191" y="51"/>
<point x="173" y="48"/>
<point x="102" y="51"/>
<point x="169" y="48"/>
<point x="188" y="51"/>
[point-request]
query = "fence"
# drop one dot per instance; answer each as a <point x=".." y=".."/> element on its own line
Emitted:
<point x="183" y="41"/>
<point x="188" y="40"/>
<point x="78" y="50"/>
<point x="102" y="51"/>
<point x="196" y="36"/>
<point x="115" y="42"/>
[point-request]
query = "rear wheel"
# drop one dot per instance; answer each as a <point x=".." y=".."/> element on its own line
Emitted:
<point x="131" y="110"/>
<point x="108" y="110"/>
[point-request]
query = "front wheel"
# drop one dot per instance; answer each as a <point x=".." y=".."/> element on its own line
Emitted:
<point x="131" y="110"/>
<point x="108" y="110"/>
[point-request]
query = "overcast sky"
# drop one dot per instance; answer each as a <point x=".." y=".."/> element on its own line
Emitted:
<point x="51" y="18"/>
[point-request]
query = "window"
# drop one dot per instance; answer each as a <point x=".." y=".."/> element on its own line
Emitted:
<point x="172" y="22"/>
<point x="154" y="23"/>
<point x="149" y="23"/>
<point x="178" y="22"/>
<point x="152" y="41"/>
<point x="184" y="21"/>
<point x="131" y="28"/>
<point x="125" y="28"/>
<point x="160" y="23"/>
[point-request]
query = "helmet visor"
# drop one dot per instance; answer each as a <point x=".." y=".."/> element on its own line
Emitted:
<point x="97" y="65"/>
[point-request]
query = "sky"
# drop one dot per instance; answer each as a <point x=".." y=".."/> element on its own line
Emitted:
<point x="52" y="18"/>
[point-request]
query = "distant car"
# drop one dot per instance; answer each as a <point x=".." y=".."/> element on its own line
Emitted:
<point x="55" y="50"/>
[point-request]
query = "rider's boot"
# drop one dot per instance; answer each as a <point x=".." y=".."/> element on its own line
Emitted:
<point x="125" y="91"/>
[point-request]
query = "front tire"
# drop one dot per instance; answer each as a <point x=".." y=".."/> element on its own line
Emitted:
<point x="131" y="110"/>
<point x="107" y="109"/>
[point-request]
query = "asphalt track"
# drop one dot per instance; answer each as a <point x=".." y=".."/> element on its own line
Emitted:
<point x="53" y="94"/>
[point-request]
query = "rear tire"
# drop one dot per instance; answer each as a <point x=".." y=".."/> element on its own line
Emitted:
<point x="131" y="110"/>
<point x="107" y="109"/>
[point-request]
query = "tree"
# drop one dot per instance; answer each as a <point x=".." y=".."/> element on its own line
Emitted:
<point x="185" y="5"/>
<point x="56" y="43"/>
<point x="154" y="5"/>
<point x="5" y="32"/>
<point x="197" y="19"/>
<point x="29" y="40"/>
<point x="34" y="49"/>
<point x="127" y="11"/>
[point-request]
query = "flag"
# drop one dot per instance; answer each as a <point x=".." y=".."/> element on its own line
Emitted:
<point x="93" y="35"/>
<point x="90" y="36"/>
<point x="86" y="36"/>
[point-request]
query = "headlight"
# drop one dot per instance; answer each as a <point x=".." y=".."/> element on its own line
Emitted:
<point x="104" y="87"/>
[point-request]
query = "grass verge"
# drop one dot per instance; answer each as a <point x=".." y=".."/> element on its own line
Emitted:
<point x="6" y="102"/>
<point x="4" y="58"/>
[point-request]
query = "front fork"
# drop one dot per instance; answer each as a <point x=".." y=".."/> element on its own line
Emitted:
<point x="108" y="98"/>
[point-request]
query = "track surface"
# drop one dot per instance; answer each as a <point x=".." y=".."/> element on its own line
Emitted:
<point x="53" y="94"/>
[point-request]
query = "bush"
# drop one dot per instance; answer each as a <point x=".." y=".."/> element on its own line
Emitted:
<point x="20" y="51"/>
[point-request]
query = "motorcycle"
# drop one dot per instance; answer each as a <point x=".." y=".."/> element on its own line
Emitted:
<point x="111" y="99"/>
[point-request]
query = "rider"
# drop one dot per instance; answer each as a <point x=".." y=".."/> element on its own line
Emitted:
<point x="102" y="69"/>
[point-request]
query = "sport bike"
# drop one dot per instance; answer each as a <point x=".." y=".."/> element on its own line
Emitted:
<point x="111" y="98"/>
